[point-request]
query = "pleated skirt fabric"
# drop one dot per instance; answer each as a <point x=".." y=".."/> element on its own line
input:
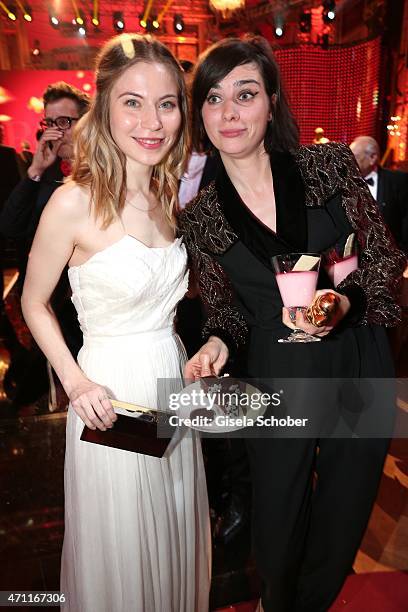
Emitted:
<point x="137" y="536"/>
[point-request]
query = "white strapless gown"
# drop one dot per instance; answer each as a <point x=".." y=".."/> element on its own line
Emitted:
<point x="136" y="527"/>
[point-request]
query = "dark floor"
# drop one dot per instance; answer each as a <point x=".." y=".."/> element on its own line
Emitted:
<point x="31" y="504"/>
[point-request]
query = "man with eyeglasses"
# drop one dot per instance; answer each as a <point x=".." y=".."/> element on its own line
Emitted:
<point x="63" y="106"/>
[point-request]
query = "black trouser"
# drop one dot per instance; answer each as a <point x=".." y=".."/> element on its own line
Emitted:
<point x="307" y="534"/>
<point x="227" y="471"/>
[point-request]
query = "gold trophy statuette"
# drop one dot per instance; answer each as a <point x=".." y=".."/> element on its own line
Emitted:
<point x="322" y="310"/>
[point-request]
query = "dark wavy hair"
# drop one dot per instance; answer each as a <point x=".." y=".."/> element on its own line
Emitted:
<point x="215" y="63"/>
<point x="61" y="90"/>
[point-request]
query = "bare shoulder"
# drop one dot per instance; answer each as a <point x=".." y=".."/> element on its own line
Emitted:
<point x="69" y="203"/>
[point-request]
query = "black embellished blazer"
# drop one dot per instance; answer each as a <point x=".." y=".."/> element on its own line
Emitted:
<point x="317" y="179"/>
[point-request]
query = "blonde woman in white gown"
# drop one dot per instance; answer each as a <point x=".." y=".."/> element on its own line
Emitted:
<point x="136" y="527"/>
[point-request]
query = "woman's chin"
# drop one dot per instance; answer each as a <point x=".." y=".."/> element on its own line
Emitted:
<point x="237" y="152"/>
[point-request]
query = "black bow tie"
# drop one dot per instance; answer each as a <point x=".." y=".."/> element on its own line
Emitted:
<point x="370" y="181"/>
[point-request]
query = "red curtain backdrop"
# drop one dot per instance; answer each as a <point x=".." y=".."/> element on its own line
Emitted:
<point x="336" y="89"/>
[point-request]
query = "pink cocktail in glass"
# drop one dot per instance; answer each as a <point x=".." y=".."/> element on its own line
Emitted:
<point x="339" y="270"/>
<point x="296" y="277"/>
<point x="297" y="288"/>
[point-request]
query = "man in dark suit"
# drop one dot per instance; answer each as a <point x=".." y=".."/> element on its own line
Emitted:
<point x="63" y="107"/>
<point x="10" y="173"/>
<point x="25" y="157"/>
<point x="388" y="187"/>
<point x="390" y="191"/>
<point x="9" y="179"/>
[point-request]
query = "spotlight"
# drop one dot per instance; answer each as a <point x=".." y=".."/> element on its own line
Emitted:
<point x="95" y="21"/>
<point x="279" y="23"/>
<point x="81" y="31"/>
<point x="28" y="14"/>
<point x="118" y="21"/>
<point x="80" y="19"/>
<point x="178" y="24"/>
<point x="305" y="22"/>
<point x="54" y="21"/>
<point x="11" y="13"/>
<point x="329" y="11"/>
<point x="150" y="24"/>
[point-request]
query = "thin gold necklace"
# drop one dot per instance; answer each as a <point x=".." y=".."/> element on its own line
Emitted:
<point x="141" y="209"/>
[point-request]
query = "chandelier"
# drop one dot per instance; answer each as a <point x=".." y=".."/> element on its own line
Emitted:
<point x="226" y="7"/>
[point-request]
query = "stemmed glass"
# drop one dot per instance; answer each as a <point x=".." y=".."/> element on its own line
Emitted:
<point x="296" y="275"/>
<point x="341" y="260"/>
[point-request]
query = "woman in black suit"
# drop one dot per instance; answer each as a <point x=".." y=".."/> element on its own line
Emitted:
<point x="272" y="197"/>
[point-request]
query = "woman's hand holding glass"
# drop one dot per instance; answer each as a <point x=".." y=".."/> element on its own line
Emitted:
<point x="208" y="361"/>
<point x="91" y="403"/>
<point x="302" y="323"/>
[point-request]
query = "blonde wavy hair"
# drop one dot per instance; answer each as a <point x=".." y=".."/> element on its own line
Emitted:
<point x="98" y="161"/>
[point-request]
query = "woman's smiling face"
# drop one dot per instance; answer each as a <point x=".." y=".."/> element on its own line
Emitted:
<point x="145" y="117"/>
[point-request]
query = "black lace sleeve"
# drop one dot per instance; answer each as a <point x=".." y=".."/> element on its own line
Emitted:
<point x="224" y="320"/>
<point x="376" y="284"/>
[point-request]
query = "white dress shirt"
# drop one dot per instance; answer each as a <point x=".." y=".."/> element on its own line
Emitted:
<point x="373" y="188"/>
<point x="191" y="179"/>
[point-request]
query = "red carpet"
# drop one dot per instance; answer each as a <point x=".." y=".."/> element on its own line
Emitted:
<point x="374" y="592"/>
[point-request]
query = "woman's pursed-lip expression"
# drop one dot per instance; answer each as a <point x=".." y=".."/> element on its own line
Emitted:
<point x="237" y="110"/>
